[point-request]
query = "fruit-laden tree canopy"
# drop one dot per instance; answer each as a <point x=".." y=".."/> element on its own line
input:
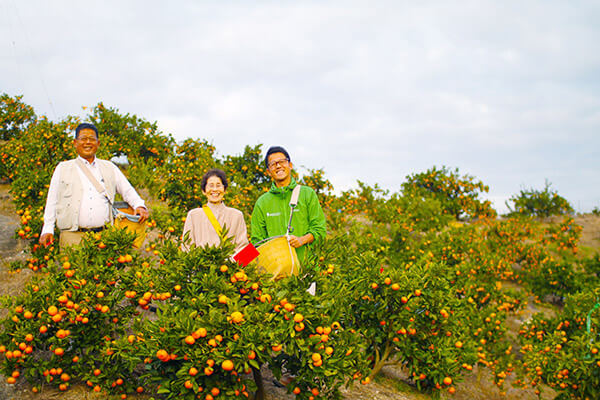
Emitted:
<point x="458" y="195"/>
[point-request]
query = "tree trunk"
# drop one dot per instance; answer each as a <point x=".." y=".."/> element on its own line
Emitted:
<point x="260" y="387"/>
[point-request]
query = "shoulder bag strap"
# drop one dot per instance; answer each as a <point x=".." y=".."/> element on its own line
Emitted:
<point x="212" y="219"/>
<point x="295" y="195"/>
<point x="293" y="204"/>
<point x="86" y="171"/>
<point x="116" y="213"/>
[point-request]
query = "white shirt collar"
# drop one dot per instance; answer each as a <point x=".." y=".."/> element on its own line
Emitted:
<point x="93" y="163"/>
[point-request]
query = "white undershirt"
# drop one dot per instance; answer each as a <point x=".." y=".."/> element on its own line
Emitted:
<point x="94" y="208"/>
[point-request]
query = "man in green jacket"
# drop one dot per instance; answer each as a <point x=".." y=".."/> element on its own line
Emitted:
<point x="271" y="212"/>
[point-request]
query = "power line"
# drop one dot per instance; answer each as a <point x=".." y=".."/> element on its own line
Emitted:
<point x="34" y="64"/>
<point x="13" y="45"/>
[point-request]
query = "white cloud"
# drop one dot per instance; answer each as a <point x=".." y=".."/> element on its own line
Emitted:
<point x="507" y="92"/>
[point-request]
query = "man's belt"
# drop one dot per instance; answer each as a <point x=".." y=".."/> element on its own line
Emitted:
<point x="99" y="229"/>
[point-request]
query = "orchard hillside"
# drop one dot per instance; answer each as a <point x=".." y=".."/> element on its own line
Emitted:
<point x="426" y="289"/>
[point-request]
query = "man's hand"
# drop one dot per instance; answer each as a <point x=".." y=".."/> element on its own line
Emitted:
<point x="46" y="239"/>
<point x="297" y="241"/>
<point x="143" y="213"/>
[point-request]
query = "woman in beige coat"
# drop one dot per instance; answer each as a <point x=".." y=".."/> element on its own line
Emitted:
<point x="198" y="223"/>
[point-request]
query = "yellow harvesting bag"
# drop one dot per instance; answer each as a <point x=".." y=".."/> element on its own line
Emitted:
<point x="136" y="227"/>
<point x="277" y="257"/>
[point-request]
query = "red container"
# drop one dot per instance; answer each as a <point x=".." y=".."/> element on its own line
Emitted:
<point x="246" y="255"/>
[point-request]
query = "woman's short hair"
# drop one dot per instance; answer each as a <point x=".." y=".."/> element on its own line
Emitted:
<point x="214" y="172"/>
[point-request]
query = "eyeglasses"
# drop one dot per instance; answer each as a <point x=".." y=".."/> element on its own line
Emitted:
<point x="279" y="163"/>
<point x="84" y="139"/>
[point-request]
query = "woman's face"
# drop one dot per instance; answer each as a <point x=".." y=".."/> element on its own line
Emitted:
<point x="214" y="190"/>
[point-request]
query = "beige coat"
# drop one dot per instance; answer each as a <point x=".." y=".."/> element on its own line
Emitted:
<point x="201" y="231"/>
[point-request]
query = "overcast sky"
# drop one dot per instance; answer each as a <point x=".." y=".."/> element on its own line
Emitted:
<point x="507" y="91"/>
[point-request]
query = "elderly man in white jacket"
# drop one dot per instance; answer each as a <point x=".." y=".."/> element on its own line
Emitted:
<point x="75" y="205"/>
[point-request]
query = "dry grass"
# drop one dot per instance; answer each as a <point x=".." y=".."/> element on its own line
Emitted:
<point x="589" y="243"/>
<point x="6" y="206"/>
<point x="75" y="392"/>
<point x="479" y="385"/>
<point x="23" y="392"/>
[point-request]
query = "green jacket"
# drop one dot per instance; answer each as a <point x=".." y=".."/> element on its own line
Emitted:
<point x="271" y="215"/>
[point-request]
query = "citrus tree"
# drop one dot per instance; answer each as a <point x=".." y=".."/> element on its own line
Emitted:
<point x="539" y="203"/>
<point x="247" y="179"/>
<point x="221" y="322"/>
<point x="459" y="195"/>
<point x="59" y="328"/>
<point x="563" y="351"/>
<point x="15" y="116"/>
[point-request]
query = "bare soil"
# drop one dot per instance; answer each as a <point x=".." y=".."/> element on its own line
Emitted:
<point x="391" y="384"/>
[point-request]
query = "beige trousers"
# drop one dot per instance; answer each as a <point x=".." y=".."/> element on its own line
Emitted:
<point x="68" y="238"/>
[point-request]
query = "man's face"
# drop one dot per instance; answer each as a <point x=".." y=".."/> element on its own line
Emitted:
<point x="279" y="168"/>
<point x="86" y="144"/>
